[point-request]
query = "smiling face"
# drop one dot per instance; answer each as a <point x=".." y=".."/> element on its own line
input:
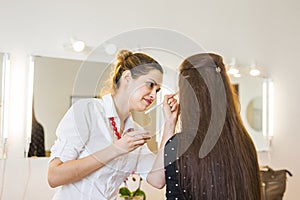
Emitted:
<point x="144" y="90"/>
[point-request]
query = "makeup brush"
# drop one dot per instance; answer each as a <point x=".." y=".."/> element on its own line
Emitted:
<point x="154" y="107"/>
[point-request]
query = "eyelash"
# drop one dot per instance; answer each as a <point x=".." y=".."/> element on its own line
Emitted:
<point x="151" y="85"/>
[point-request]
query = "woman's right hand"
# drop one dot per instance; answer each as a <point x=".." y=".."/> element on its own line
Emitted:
<point x="61" y="173"/>
<point x="132" y="140"/>
<point x="171" y="109"/>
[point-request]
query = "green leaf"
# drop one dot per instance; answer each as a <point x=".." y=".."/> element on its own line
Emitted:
<point x="139" y="192"/>
<point x="124" y="196"/>
<point x="124" y="192"/>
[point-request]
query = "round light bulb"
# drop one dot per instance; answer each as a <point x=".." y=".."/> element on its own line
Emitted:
<point x="78" y="46"/>
<point x="237" y="75"/>
<point x="233" y="71"/>
<point x="254" y="72"/>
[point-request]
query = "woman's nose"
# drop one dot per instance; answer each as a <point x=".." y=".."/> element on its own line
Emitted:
<point x="153" y="94"/>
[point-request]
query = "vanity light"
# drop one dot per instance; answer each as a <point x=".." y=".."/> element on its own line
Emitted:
<point x="77" y="45"/>
<point x="5" y="99"/>
<point x="233" y="71"/>
<point x="237" y="75"/>
<point x="271" y="109"/>
<point x="232" y="67"/>
<point x="29" y="102"/>
<point x="265" y="109"/>
<point x="254" y="71"/>
<point x="268" y="109"/>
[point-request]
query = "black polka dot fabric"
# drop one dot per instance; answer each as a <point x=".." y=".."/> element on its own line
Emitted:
<point x="173" y="191"/>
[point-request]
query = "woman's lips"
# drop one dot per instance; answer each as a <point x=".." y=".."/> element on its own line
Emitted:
<point x="148" y="101"/>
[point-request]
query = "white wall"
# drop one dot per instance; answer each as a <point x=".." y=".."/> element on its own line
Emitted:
<point x="267" y="31"/>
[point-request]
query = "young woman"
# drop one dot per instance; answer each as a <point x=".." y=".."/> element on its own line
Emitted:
<point x="213" y="158"/>
<point x="98" y="144"/>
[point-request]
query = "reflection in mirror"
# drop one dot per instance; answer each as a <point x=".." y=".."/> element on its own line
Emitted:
<point x="60" y="82"/>
<point x="54" y="82"/>
<point x="4" y="74"/>
<point x="254" y="113"/>
<point x="253" y="99"/>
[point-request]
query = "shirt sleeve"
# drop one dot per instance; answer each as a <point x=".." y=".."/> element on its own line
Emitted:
<point x="145" y="162"/>
<point x="72" y="132"/>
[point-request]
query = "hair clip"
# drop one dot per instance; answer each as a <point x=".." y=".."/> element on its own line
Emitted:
<point x="218" y="69"/>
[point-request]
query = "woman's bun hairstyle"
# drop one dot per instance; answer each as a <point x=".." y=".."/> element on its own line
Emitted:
<point x="137" y="63"/>
<point x="123" y="55"/>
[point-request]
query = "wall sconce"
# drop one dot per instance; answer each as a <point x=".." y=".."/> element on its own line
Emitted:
<point x="232" y="68"/>
<point x="76" y="45"/>
<point x="5" y="100"/>
<point x="235" y="71"/>
<point x="254" y="71"/>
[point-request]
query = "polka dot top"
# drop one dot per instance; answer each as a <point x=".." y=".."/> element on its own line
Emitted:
<point x="37" y="145"/>
<point x="173" y="191"/>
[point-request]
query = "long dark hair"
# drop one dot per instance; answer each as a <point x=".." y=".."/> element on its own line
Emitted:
<point x="229" y="168"/>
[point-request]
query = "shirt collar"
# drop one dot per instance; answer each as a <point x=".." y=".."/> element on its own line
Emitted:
<point x="110" y="111"/>
<point x="109" y="106"/>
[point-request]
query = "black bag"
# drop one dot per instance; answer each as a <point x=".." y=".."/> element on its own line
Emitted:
<point x="273" y="183"/>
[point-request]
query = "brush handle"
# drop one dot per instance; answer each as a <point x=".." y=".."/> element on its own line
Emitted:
<point x="154" y="107"/>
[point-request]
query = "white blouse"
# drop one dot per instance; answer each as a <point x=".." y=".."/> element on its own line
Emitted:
<point x="85" y="129"/>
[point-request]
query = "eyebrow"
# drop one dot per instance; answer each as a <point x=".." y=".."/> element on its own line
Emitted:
<point x="153" y="81"/>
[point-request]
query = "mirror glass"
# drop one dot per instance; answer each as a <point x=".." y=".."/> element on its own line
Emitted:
<point x="60" y="82"/>
<point x="54" y="91"/>
<point x="252" y="96"/>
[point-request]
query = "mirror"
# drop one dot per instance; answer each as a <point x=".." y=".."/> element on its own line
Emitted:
<point x="254" y="100"/>
<point x="60" y="82"/>
<point x="53" y="93"/>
